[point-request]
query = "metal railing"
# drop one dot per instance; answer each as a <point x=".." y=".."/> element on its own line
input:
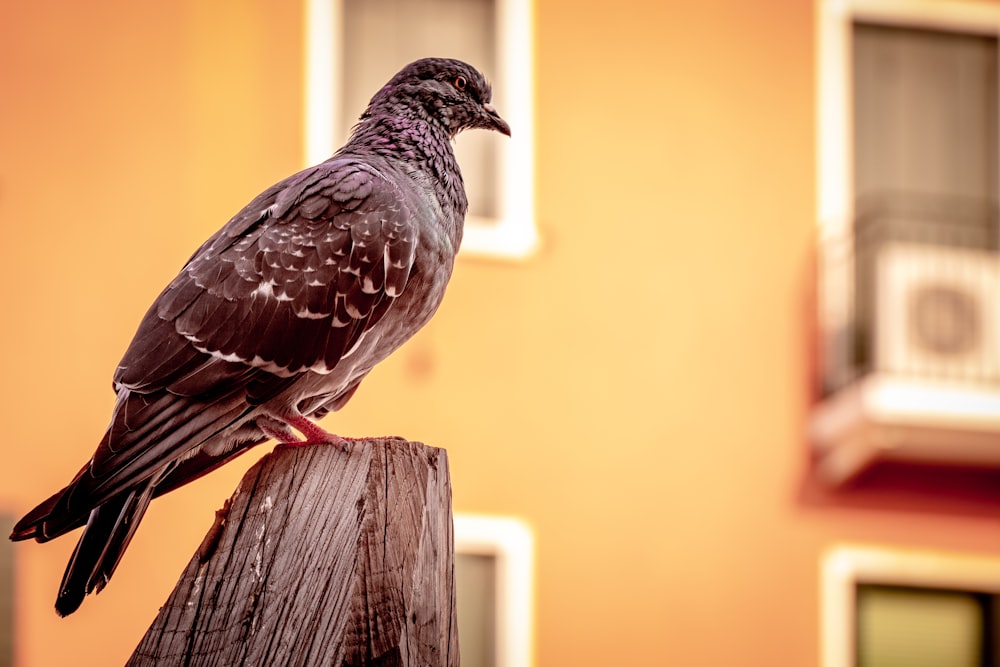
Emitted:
<point x="914" y="290"/>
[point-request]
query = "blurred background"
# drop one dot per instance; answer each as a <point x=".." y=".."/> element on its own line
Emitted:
<point x="638" y="390"/>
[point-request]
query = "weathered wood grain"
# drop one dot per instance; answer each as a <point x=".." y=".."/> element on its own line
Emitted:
<point x="323" y="558"/>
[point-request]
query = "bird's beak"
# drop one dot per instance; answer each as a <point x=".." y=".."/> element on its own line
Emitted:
<point x="494" y="121"/>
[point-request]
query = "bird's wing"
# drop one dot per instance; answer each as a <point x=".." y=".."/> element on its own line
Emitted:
<point x="289" y="285"/>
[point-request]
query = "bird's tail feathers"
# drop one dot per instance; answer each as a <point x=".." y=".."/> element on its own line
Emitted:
<point x="50" y="518"/>
<point x="109" y="530"/>
<point x="30" y="525"/>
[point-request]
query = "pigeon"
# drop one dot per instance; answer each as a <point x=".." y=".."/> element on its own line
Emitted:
<point x="279" y="316"/>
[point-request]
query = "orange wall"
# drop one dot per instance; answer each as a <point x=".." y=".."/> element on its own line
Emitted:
<point x="637" y="392"/>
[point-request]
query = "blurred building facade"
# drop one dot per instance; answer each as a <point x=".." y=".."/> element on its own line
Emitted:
<point x="639" y="390"/>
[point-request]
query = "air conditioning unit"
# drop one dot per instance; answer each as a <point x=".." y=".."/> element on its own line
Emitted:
<point x="932" y="391"/>
<point x="937" y="313"/>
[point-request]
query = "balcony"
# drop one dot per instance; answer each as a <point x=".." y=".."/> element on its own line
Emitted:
<point x="910" y="327"/>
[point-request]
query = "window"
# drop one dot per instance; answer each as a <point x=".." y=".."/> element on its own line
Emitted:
<point x="886" y="607"/>
<point x="354" y="46"/>
<point x="493" y="591"/>
<point x="914" y="626"/>
<point x="476" y="598"/>
<point x="908" y="176"/>
<point x="925" y="175"/>
<point x="908" y="153"/>
<point x="938" y="58"/>
<point x="925" y="115"/>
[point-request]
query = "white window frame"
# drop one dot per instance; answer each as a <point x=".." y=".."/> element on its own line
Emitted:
<point x="510" y="542"/>
<point x="834" y="99"/>
<point x="844" y="567"/>
<point x="513" y="234"/>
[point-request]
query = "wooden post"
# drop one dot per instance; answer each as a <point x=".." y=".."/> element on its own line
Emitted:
<point x="321" y="558"/>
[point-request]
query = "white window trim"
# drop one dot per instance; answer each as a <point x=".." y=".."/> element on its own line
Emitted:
<point x="510" y="542"/>
<point x="834" y="101"/>
<point x="513" y="234"/>
<point x="844" y="567"/>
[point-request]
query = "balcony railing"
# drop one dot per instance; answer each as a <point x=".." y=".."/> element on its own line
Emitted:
<point x="914" y="290"/>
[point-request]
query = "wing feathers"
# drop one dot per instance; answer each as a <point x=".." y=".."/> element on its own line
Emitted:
<point x="292" y="283"/>
<point x="329" y="248"/>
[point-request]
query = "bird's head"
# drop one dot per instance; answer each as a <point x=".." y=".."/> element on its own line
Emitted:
<point x="446" y="91"/>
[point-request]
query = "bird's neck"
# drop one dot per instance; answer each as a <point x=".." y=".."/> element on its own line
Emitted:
<point x="415" y="144"/>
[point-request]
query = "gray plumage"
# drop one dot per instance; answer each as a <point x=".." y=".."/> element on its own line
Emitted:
<point x="280" y="315"/>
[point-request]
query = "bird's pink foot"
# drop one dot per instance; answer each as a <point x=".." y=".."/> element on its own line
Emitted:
<point x="313" y="434"/>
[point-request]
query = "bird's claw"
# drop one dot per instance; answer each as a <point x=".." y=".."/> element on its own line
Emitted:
<point x="313" y="434"/>
<point x="343" y="444"/>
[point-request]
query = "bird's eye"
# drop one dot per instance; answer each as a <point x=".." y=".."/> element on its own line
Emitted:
<point x="460" y="82"/>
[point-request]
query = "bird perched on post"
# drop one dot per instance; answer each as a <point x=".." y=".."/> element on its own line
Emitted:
<point x="280" y="315"/>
